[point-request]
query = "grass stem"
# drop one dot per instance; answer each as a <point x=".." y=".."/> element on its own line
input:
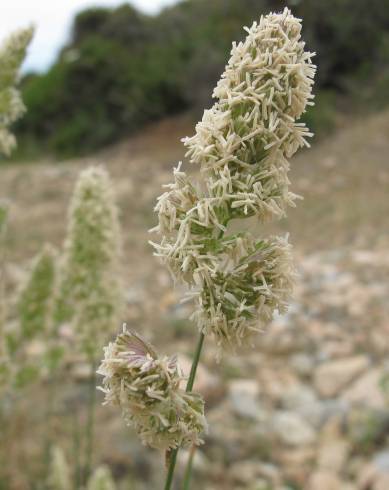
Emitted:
<point x="188" y="470"/>
<point x="189" y="387"/>
<point x="90" y="425"/>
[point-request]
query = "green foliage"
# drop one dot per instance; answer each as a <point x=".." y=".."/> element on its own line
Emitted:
<point x="34" y="306"/>
<point x="122" y="69"/>
<point x="3" y="226"/>
<point x="321" y="118"/>
<point x="3" y="217"/>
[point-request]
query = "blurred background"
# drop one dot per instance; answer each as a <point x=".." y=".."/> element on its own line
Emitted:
<point x="118" y="84"/>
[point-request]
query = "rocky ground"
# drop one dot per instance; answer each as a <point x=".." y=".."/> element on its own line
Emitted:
<point x="308" y="407"/>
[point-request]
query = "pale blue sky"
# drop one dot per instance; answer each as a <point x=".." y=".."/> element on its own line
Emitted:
<point x="53" y="19"/>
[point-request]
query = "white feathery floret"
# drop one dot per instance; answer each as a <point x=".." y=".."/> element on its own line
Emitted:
<point x="253" y="278"/>
<point x="242" y="146"/>
<point x="147" y="389"/>
<point x="12" y="54"/>
<point x="243" y="142"/>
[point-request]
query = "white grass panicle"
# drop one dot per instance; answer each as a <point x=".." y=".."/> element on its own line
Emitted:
<point x="90" y="294"/>
<point x="35" y="305"/>
<point x="59" y="471"/>
<point x="12" y="53"/>
<point x="27" y="344"/>
<point x="101" y="479"/>
<point x="147" y="389"/>
<point x="242" y="146"/>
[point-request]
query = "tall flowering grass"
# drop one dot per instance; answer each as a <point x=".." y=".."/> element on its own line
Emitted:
<point x="238" y="280"/>
<point x="90" y="294"/>
<point x="35" y="304"/>
<point x="12" y="53"/>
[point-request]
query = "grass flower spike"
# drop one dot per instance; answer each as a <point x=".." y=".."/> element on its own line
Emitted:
<point x="36" y="299"/>
<point x="12" y="53"/>
<point x="101" y="480"/>
<point x="147" y="388"/>
<point x="255" y="279"/>
<point x="242" y="147"/>
<point x="59" y="476"/>
<point x="90" y="294"/>
<point x="237" y="280"/>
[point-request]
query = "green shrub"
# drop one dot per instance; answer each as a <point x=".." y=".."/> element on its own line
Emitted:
<point x="122" y="69"/>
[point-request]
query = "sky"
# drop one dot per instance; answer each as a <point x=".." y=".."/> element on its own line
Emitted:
<point x="53" y="20"/>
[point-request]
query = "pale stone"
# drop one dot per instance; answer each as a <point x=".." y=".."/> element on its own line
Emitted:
<point x="275" y="381"/>
<point x="333" y="455"/>
<point x="292" y="429"/>
<point x="382" y="483"/>
<point x="375" y="475"/>
<point x="331" y="377"/>
<point x="248" y="471"/>
<point x="367" y="390"/>
<point x="297" y="464"/>
<point x="243" y="395"/>
<point x="324" y="480"/>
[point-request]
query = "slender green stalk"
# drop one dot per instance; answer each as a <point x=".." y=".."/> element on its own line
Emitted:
<point x="189" y="386"/>
<point x="170" y="472"/>
<point x="188" y="470"/>
<point x="195" y="362"/>
<point x="76" y="451"/>
<point x="90" y="425"/>
<point x="49" y="417"/>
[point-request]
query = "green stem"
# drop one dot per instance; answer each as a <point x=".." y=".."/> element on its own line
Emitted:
<point x="189" y="386"/>
<point x="193" y="369"/>
<point x="188" y="470"/>
<point x="90" y="422"/>
<point x="170" y="471"/>
<point x="49" y="417"/>
<point x="76" y="451"/>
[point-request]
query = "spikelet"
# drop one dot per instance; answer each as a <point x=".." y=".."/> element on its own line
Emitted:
<point x="36" y="297"/>
<point x="59" y="472"/>
<point x="101" y="480"/>
<point x="12" y="53"/>
<point x="90" y="295"/>
<point x="27" y="345"/>
<point x="147" y="389"/>
<point x="246" y="289"/>
<point x="242" y="146"/>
